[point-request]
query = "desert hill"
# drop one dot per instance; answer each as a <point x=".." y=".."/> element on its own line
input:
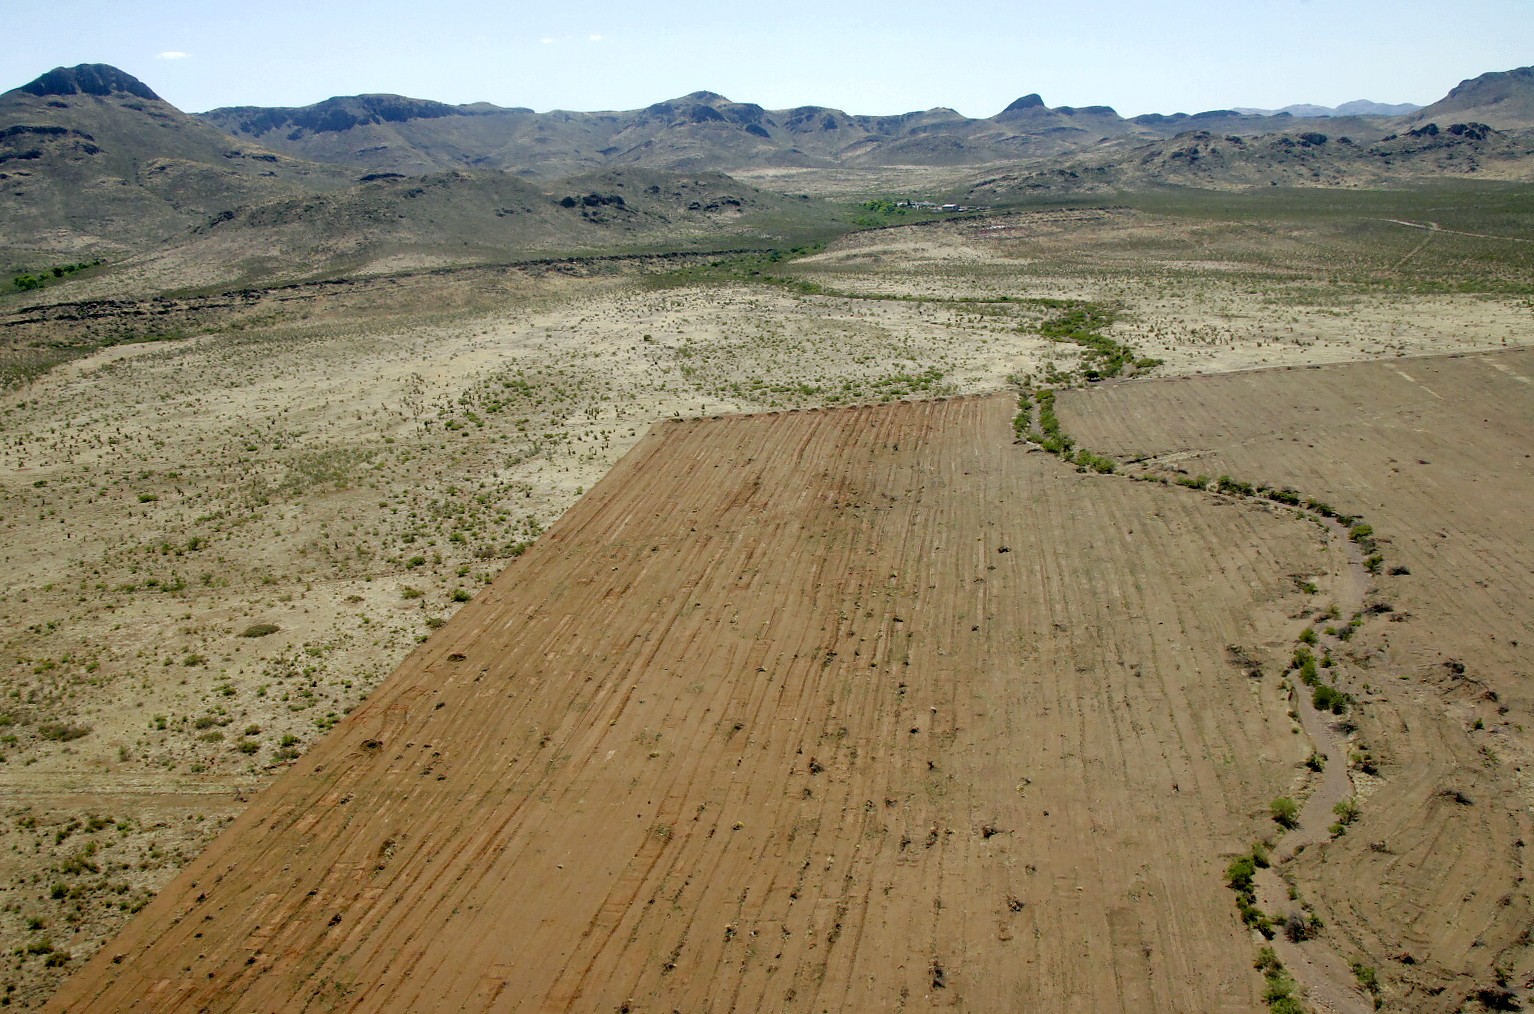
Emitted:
<point x="1504" y="99"/>
<point x="1211" y="160"/>
<point x="91" y="158"/>
<point x="459" y="217"/>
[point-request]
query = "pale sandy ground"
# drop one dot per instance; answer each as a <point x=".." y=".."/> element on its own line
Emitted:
<point x="342" y="481"/>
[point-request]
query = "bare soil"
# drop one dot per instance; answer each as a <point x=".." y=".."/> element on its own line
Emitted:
<point x="1428" y="885"/>
<point x="864" y="708"/>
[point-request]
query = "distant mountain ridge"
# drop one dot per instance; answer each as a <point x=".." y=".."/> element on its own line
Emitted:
<point x="1358" y="107"/>
<point x="701" y="130"/>
<point x="91" y="159"/>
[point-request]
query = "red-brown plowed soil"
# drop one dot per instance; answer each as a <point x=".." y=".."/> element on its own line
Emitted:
<point x="1429" y="884"/>
<point x="856" y="710"/>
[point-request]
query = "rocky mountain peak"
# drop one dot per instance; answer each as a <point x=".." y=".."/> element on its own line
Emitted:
<point x="88" y="79"/>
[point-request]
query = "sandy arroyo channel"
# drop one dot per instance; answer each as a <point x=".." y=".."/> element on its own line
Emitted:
<point x="865" y="708"/>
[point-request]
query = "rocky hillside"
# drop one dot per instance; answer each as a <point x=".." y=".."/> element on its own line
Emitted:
<point x="1504" y="99"/>
<point x="1209" y="160"/>
<point x="92" y="159"/>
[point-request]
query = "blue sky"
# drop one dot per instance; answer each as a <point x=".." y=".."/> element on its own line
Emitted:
<point x="863" y="57"/>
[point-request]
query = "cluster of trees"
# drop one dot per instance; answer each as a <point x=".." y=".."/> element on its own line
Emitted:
<point x="27" y="282"/>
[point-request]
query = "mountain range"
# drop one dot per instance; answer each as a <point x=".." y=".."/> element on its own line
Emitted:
<point x="93" y="161"/>
<point x="1358" y="107"/>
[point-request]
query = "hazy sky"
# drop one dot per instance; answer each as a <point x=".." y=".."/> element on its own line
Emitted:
<point x="1136" y="55"/>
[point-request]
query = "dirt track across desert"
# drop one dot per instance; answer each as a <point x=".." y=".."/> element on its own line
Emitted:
<point x="867" y="708"/>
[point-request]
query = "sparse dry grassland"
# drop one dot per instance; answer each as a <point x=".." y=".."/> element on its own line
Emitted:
<point x="215" y="546"/>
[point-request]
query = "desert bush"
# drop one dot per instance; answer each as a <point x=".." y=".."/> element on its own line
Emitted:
<point x="1298" y="927"/>
<point x="1328" y="698"/>
<point x="1095" y="462"/>
<point x="62" y="732"/>
<point x="1285" y="812"/>
<point x="260" y="630"/>
<point x="1278" y="986"/>
<point x="1368" y="979"/>
<point x="1238" y="877"/>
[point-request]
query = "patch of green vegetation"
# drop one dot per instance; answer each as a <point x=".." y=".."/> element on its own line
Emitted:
<point x="1369" y="980"/>
<point x="1278" y="985"/>
<point x="1328" y="698"/>
<point x="1082" y="325"/>
<point x="1240" y="877"/>
<point x="28" y="282"/>
<point x="1347" y="812"/>
<point x="1095" y="462"/>
<point x="742" y="267"/>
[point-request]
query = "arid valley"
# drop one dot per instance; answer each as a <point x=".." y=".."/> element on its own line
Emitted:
<point x="1094" y="599"/>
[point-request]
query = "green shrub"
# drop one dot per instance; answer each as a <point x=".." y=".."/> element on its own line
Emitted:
<point x="260" y="630"/>
<point x="1285" y="812"/>
<point x="1327" y="698"/>
<point x="1096" y="462"/>
<point x="1367" y="978"/>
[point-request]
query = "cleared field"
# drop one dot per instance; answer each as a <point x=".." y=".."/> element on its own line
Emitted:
<point x="1429" y="884"/>
<point x="858" y="709"/>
